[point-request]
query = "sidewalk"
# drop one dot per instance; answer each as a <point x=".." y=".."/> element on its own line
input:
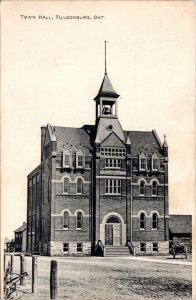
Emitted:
<point x="166" y="260"/>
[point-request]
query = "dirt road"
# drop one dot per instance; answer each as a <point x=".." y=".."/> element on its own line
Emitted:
<point x="111" y="278"/>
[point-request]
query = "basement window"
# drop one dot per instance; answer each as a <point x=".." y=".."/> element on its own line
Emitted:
<point x="79" y="247"/>
<point x="66" y="247"/>
<point x="143" y="247"/>
<point x="155" y="247"/>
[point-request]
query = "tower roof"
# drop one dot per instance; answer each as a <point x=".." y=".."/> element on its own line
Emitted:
<point x="106" y="89"/>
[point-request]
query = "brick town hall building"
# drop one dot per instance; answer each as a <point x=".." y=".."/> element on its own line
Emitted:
<point x="99" y="187"/>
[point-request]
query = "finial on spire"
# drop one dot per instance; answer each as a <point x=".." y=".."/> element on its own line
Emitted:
<point x="164" y="137"/>
<point x="105" y="59"/>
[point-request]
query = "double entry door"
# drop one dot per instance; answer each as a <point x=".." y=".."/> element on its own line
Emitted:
<point x="113" y="234"/>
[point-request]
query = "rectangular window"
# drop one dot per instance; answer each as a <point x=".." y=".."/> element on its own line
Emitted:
<point x="155" y="164"/>
<point x="66" y="160"/>
<point x="143" y="164"/>
<point x="142" y="247"/>
<point x="66" y="247"/>
<point x="155" y="247"/>
<point x="79" y="247"/>
<point x="80" y="161"/>
<point x="113" y="186"/>
<point x="113" y="163"/>
<point x="120" y="152"/>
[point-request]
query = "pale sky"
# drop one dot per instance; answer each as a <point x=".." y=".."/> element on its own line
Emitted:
<point x="52" y="69"/>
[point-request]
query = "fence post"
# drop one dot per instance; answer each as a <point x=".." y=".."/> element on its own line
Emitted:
<point x="22" y="269"/>
<point x="53" y="279"/>
<point x="34" y="274"/>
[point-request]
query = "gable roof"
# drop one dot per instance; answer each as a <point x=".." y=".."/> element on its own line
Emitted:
<point x="74" y="138"/>
<point x="84" y="138"/>
<point x="180" y="223"/>
<point x="143" y="141"/>
<point x="21" y="228"/>
<point x="106" y="89"/>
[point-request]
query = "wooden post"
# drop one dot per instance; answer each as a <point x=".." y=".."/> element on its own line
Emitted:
<point x="22" y="269"/>
<point x="53" y="279"/>
<point x="34" y="274"/>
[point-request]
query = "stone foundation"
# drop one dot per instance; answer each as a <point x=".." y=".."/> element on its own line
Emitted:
<point x="56" y="248"/>
<point x="163" y="248"/>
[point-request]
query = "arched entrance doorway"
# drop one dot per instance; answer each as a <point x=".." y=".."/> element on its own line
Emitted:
<point x="113" y="231"/>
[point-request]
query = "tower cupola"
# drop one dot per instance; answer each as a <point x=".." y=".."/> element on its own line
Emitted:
<point x="106" y="99"/>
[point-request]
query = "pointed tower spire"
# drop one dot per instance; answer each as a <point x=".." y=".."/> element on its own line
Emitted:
<point x="105" y="58"/>
<point x="106" y="88"/>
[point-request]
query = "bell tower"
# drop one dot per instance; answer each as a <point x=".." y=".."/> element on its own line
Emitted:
<point x="106" y="99"/>
<point x="107" y="109"/>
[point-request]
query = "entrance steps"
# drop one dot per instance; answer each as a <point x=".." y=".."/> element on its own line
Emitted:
<point x="116" y="251"/>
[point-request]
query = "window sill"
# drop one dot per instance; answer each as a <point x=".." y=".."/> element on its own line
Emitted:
<point x="155" y="229"/>
<point x="112" y="194"/>
<point x="142" y="229"/>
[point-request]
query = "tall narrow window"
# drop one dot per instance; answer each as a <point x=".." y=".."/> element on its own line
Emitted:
<point x="155" y="162"/>
<point x="142" y="188"/>
<point x="66" y="186"/>
<point x="79" y="220"/>
<point x="154" y="188"/>
<point x="142" y="221"/>
<point x="154" y="221"/>
<point x="66" y="220"/>
<point x="142" y="162"/>
<point x="80" y="158"/>
<point x="79" y="186"/>
<point x="66" y="158"/>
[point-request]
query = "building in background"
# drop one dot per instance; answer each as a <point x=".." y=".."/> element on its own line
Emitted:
<point x="180" y="230"/>
<point x="21" y="238"/>
<point x="99" y="184"/>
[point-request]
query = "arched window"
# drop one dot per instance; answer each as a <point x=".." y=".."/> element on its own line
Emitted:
<point x="154" y="188"/>
<point x="113" y="219"/>
<point x="79" y="220"/>
<point x="142" y="188"/>
<point x="142" y="221"/>
<point x="66" y="186"/>
<point x="154" y="221"/>
<point x="66" y="220"/>
<point x="79" y="188"/>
